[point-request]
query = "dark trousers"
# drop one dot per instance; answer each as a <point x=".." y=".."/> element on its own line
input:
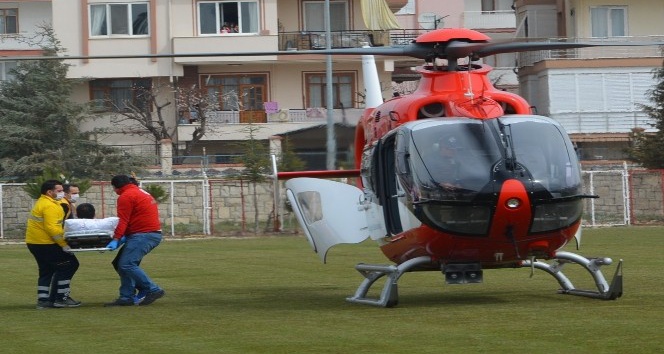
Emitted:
<point x="56" y="269"/>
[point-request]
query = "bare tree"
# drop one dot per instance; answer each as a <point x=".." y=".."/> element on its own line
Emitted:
<point x="195" y="102"/>
<point x="146" y="113"/>
<point x="142" y="116"/>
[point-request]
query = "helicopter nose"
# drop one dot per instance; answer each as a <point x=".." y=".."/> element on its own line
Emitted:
<point x="513" y="212"/>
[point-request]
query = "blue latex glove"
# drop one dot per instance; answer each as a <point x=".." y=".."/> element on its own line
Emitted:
<point x="113" y="245"/>
<point x="123" y="239"/>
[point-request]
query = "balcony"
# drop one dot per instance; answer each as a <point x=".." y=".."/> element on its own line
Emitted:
<point x="305" y="40"/>
<point x="479" y="20"/>
<point x="613" y="52"/>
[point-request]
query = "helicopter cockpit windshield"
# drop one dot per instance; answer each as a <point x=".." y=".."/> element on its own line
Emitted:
<point x="458" y="165"/>
<point x="452" y="159"/>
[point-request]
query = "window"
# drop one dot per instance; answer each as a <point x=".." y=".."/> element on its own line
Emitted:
<point x="488" y="5"/>
<point x="8" y="21"/>
<point x="119" y="19"/>
<point x="117" y="95"/>
<point x="608" y="21"/>
<point x="408" y="9"/>
<point x="314" y="15"/>
<point x="6" y="70"/>
<point x="343" y="86"/>
<point x="239" y="92"/>
<point x="228" y="17"/>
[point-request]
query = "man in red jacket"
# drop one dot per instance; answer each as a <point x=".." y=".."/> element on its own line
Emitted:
<point x="141" y="227"/>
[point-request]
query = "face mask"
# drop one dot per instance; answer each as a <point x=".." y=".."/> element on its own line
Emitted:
<point x="59" y="196"/>
<point x="73" y="198"/>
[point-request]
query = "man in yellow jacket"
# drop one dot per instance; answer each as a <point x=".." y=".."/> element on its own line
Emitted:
<point x="44" y="237"/>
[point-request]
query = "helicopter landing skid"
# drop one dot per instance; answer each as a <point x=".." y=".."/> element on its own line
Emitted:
<point x="389" y="296"/>
<point x="592" y="265"/>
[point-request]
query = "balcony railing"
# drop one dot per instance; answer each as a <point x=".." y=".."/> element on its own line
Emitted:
<point x="22" y="41"/>
<point x="311" y="40"/>
<point x="650" y="51"/>
<point x="306" y="115"/>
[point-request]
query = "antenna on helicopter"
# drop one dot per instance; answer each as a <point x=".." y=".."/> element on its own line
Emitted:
<point x="430" y="21"/>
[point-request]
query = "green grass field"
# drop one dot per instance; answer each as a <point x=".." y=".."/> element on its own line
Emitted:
<point x="272" y="295"/>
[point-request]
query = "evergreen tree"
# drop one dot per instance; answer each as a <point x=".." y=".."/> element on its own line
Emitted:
<point x="256" y="163"/>
<point x="39" y="123"/>
<point x="289" y="161"/>
<point x="648" y="149"/>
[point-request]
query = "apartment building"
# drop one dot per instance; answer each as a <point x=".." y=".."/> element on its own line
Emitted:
<point x="285" y="93"/>
<point x="594" y="93"/>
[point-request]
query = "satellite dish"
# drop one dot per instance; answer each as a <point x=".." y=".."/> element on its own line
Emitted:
<point x="429" y="20"/>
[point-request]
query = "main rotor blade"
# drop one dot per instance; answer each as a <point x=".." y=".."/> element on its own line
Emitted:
<point x="511" y="47"/>
<point x="427" y="51"/>
<point x="414" y="50"/>
<point x="411" y="50"/>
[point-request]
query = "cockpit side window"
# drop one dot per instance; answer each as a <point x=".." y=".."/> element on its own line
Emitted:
<point x="387" y="185"/>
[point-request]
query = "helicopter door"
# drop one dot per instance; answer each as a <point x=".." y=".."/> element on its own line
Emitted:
<point x="329" y="212"/>
<point x="386" y="187"/>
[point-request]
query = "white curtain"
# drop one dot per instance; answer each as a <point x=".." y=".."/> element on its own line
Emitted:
<point x="618" y="23"/>
<point x="598" y="20"/>
<point x="249" y="11"/>
<point x="98" y="20"/>
<point x="378" y="16"/>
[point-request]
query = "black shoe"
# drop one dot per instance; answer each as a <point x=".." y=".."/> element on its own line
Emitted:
<point x="120" y="302"/>
<point x="44" y="304"/>
<point x="66" y="302"/>
<point x="152" y="297"/>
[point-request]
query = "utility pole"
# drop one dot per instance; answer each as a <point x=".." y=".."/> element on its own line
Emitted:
<point x="331" y="140"/>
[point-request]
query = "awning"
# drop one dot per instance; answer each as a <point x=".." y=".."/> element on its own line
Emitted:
<point x="378" y="16"/>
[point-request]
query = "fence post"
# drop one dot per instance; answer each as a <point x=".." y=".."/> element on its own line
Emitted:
<point x="592" y="200"/>
<point x="2" y="213"/>
<point x="626" y="195"/>
<point x="206" y="204"/>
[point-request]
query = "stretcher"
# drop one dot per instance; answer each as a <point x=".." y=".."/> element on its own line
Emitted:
<point x="83" y="235"/>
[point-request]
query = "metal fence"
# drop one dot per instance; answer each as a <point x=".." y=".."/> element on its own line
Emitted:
<point x="227" y="207"/>
<point x="196" y="206"/>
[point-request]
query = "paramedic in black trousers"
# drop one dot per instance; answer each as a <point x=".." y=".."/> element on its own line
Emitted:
<point x="44" y="237"/>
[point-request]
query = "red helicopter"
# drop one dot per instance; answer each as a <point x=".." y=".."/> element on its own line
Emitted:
<point x="456" y="177"/>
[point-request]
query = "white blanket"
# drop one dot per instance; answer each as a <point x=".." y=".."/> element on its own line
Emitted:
<point x="90" y="226"/>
